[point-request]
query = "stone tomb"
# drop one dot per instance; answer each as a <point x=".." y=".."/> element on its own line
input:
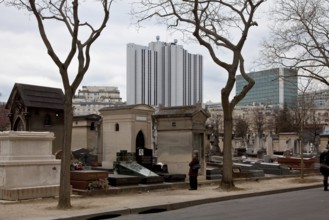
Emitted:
<point x="80" y="179"/>
<point x="27" y="167"/>
<point x="129" y="172"/>
<point x="127" y="128"/>
<point x="180" y="132"/>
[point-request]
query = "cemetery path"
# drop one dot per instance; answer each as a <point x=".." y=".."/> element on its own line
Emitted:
<point x="85" y="207"/>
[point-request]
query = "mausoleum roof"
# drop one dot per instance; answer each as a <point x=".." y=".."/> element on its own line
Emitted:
<point x="37" y="96"/>
<point x="128" y="107"/>
<point x="180" y="111"/>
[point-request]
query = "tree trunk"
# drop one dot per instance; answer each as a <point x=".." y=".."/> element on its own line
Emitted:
<point x="227" y="179"/>
<point x="64" y="201"/>
<point x="301" y="158"/>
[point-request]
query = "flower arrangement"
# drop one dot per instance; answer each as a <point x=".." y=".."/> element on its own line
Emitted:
<point x="76" y="164"/>
<point x="98" y="184"/>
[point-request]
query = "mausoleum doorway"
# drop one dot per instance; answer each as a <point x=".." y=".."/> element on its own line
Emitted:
<point x="140" y="141"/>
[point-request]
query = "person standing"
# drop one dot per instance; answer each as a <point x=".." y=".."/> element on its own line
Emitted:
<point x="193" y="172"/>
<point x="324" y="167"/>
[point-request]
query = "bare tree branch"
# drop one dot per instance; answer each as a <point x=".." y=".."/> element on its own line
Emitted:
<point x="300" y="38"/>
<point x="67" y="13"/>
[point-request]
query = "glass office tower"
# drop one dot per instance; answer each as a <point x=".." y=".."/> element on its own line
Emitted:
<point x="277" y="87"/>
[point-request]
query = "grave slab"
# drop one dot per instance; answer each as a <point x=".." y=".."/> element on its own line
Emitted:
<point x="123" y="180"/>
<point x="80" y="179"/>
<point x="135" y="169"/>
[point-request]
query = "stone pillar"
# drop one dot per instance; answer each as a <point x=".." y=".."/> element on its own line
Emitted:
<point x="27" y="167"/>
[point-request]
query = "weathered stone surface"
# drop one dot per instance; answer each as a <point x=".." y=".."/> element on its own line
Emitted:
<point x="27" y="167"/>
<point x="180" y="132"/>
<point x="14" y="194"/>
<point x="122" y="125"/>
<point x="24" y="145"/>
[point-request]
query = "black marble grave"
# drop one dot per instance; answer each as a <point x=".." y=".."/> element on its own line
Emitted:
<point x="123" y="180"/>
<point x="135" y="169"/>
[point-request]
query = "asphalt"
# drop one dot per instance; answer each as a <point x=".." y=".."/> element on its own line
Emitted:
<point x="143" y="199"/>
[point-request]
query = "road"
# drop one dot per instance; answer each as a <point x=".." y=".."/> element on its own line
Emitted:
<point x="297" y="205"/>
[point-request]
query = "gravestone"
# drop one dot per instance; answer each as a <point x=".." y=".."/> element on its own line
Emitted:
<point x="257" y="143"/>
<point x="269" y="145"/>
<point x="145" y="157"/>
<point x="28" y="169"/>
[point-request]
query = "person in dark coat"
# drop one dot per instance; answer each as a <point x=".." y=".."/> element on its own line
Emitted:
<point x="324" y="168"/>
<point x="193" y="172"/>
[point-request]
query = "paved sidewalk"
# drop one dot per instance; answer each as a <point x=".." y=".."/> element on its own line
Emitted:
<point x="87" y="207"/>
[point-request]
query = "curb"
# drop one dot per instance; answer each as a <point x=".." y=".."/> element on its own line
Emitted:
<point x="173" y="206"/>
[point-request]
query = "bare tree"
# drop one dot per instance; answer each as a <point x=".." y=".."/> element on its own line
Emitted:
<point x="258" y="125"/>
<point x="258" y="121"/>
<point x="301" y="114"/>
<point x="66" y="12"/>
<point x="314" y="127"/>
<point x="299" y="38"/>
<point x="241" y="128"/>
<point x="284" y="121"/>
<point x="4" y="120"/>
<point x="212" y="23"/>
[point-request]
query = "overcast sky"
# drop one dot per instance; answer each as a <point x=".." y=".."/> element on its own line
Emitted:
<point x="24" y="59"/>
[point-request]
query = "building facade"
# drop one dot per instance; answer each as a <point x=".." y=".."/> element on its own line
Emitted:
<point x="277" y="87"/>
<point x="163" y="74"/>
<point x="92" y="98"/>
<point x="318" y="98"/>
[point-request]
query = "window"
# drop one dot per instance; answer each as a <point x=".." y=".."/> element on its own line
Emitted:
<point x="117" y="127"/>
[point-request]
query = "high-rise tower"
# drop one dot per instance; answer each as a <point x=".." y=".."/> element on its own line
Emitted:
<point x="163" y="74"/>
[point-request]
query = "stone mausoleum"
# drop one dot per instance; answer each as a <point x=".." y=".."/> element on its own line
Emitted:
<point x="126" y="128"/>
<point x="180" y="132"/>
<point x="37" y="108"/>
<point x="86" y="133"/>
